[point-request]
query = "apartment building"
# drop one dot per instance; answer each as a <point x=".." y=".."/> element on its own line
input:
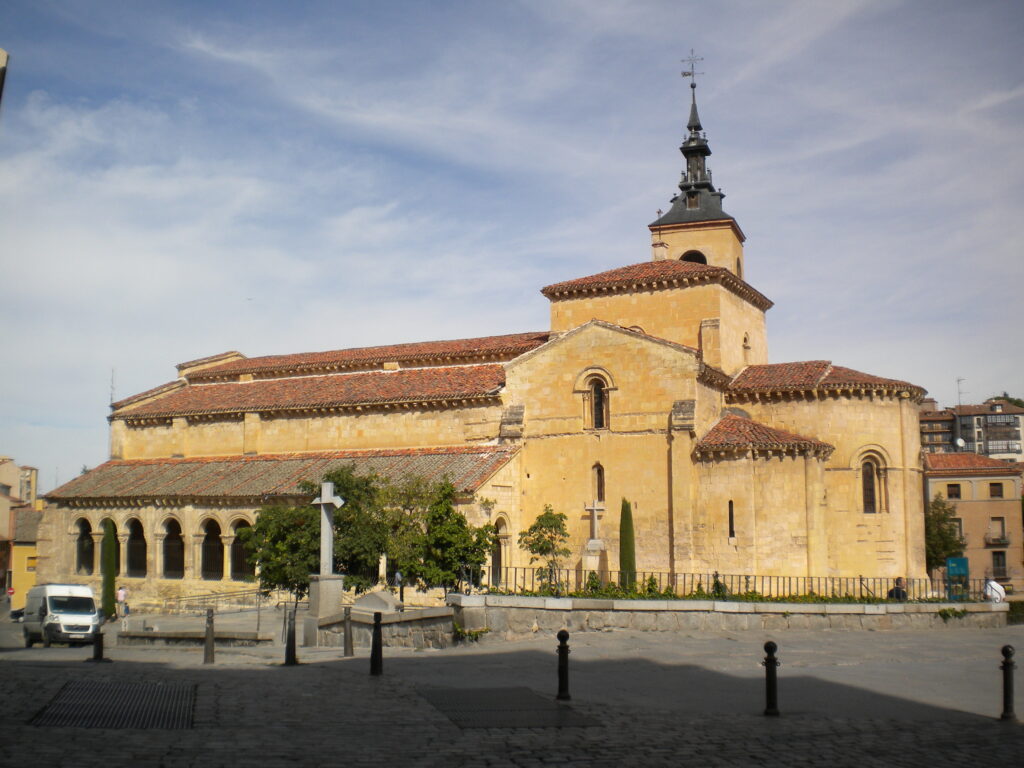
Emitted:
<point x="991" y="429"/>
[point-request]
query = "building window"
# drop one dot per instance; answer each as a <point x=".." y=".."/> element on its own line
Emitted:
<point x="598" y="482"/>
<point x="241" y="568"/>
<point x="995" y="490"/>
<point x="84" y="549"/>
<point x="998" y="565"/>
<point x="952" y="490"/>
<point x="30" y="564"/>
<point x="732" y="521"/>
<point x="598" y="411"/>
<point x="869" y="486"/>
<point x="213" y="552"/>
<point x="136" y="549"/>
<point x="174" y="551"/>
<point x="694" y="257"/>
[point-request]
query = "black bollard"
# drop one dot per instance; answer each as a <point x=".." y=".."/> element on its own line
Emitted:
<point x="208" y="645"/>
<point x="771" y="680"/>
<point x="1008" y="666"/>
<point x="97" y="648"/>
<point x="290" y="659"/>
<point x="348" y="632"/>
<point x="563" y="666"/>
<point x="377" y="650"/>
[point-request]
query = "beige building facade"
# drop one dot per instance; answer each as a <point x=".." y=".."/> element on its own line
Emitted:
<point x="987" y="495"/>
<point x="652" y="384"/>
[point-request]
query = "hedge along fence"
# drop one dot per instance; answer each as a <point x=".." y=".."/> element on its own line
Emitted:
<point x="660" y="585"/>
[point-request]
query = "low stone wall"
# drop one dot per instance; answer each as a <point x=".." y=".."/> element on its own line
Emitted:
<point x="191" y="638"/>
<point x="510" y="617"/>
<point x="416" y="628"/>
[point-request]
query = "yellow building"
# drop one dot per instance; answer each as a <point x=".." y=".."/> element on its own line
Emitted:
<point x="652" y="384"/>
<point x="24" y="558"/>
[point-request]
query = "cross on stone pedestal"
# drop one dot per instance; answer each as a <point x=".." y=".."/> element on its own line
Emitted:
<point x="596" y="510"/>
<point x="327" y="502"/>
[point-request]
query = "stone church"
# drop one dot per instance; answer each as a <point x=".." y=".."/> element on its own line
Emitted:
<point x="652" y="383"/>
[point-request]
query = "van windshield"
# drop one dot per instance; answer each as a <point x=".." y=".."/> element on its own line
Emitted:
<point x="69" y="604"/>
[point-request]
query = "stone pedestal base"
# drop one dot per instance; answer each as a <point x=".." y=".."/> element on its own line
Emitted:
<point x="592" y="556"/>
<point x="324" y="600"/>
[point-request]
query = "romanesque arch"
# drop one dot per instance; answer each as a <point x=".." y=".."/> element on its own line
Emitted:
<point x="136" y="549"/>
<point x="212" y="567"/>
<point x="174" y="550"/>
<point x="241" y="568"/>
<point x="85" y="555"/>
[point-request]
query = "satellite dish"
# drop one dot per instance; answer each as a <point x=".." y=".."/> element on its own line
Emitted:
<point x="960" y="442"/>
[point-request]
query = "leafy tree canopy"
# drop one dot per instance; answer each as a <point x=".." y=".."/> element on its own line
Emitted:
<point x="545" y="539"/>
<point x="941" y="535"/>
<point x="1013" y="400"/>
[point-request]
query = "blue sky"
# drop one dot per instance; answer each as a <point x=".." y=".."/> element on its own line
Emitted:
<point x="180" y="179"/>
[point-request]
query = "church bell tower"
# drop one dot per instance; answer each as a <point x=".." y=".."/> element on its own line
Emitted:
<point x="696" y="229"/>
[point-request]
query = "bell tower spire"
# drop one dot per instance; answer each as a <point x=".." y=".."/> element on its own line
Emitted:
<point x="685" y="232"/>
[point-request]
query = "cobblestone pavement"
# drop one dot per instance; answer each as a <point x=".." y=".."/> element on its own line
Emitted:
<point x="847" y="698"/>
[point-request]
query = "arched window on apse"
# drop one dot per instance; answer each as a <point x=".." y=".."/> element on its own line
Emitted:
<point x="174" y="551"/>
<point x="694" y="257"/>
<point x="598" y="390"/>
<point x="746" y="349"/>
<point x="732" y="521"/>
<point x="84" y="550"/>
<point x="136" y="549"/>
<point x="213" y="552"/>
<point x="241" y="568"/>
<point x="598" y="472"/>
<point x="873" y="490"/>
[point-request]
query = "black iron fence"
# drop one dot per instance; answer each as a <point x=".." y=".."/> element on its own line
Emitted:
<point x="725" y="586"/>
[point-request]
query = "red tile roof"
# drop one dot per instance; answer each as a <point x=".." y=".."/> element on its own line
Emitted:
<point x="403" y="386"/>
<point x="733" y="432"/>
<point x="506" y="346"/>
<point x="986" y="409"/>
<point x="966" y="462"/>
<point x="657" y="275"/>
<point x="274" y="475"/>
<point x="810" y="374"/>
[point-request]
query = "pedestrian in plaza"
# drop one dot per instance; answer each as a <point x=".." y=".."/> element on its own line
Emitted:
<point x="899" y="590"/>
<point x="122" y="602"/>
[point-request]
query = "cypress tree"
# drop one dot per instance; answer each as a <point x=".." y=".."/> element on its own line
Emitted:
<point x="108" y="565"/>
<point x="627" y="547"/>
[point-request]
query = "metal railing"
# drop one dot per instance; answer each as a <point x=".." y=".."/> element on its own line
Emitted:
<point x="225" y="602"/>
<point x="719" y="586"/>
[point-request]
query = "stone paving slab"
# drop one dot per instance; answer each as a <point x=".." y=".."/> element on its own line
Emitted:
<point x="847" y="699"/>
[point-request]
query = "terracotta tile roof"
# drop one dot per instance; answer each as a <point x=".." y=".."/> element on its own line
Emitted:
<point x="170" y="386"/>
<point x="966" y="462"/>
<point x="810" y="374"/>
<point x="274" y="475"/>
<point x="656" y="275"/>
<point x="986" y="409"/>
<point x="509" y="345"/>
<point x="365" y="388"/>
<point x="735" y="432"/>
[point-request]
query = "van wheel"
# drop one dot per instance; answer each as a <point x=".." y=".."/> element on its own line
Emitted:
<point x="46" y="639"/>
<point x="28" y="637"/>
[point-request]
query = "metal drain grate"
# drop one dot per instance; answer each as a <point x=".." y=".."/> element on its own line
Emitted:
<point x="503" y="708"/>
<point x="91" y="704"/>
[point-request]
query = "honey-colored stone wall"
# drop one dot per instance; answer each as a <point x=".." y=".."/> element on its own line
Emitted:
<point x="676" y="314"/>
<point x="718" y="241"/>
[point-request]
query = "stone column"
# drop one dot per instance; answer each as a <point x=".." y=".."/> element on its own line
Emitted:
<point x="97" y="552"/>
<point x="155" y="556"/>
<point x="227" y="541"/>
<point x="122" y="541"/>
<point x="193" y="556"/>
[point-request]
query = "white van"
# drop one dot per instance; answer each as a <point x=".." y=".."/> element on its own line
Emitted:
<point x="60" y="613"/>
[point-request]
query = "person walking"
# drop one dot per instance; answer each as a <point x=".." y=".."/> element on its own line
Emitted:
<point x="122" y="602"/>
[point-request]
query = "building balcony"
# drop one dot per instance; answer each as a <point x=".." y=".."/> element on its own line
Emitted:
<point x="997" y="540"/>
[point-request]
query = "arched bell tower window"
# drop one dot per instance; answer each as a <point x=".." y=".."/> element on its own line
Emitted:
<point x="597" y="389"/>
<point x="694" y="257"/>
<point x="598" y="482"/>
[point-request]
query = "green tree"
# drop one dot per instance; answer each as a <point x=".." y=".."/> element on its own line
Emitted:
<point x="545" y="540"/>
<point x="627" y="546"/>
<point x="941" y="535"/>
<point x="404" y="507"/>
<point x="452" y="547"/>
<point x="108" y="567"/>
<point x="284" y="544"/>
<point x="1013" y="400"/>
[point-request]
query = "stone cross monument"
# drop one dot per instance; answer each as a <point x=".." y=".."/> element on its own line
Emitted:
<point x="326" y="587"/>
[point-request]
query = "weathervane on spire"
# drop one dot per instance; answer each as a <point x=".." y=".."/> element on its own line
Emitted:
<point x="692" y="71"/>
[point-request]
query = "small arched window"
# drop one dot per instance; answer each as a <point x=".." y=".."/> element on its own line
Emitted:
<point x="598" y="482"/>
<point x="873" y="489"/>
<point x="732" y="521"/>
<point x="694" y="257"/>
<point x="598" y="391"/>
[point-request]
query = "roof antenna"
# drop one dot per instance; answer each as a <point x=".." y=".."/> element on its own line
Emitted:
<point x="959" y="391"/>
<point x="113" y="373"/>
